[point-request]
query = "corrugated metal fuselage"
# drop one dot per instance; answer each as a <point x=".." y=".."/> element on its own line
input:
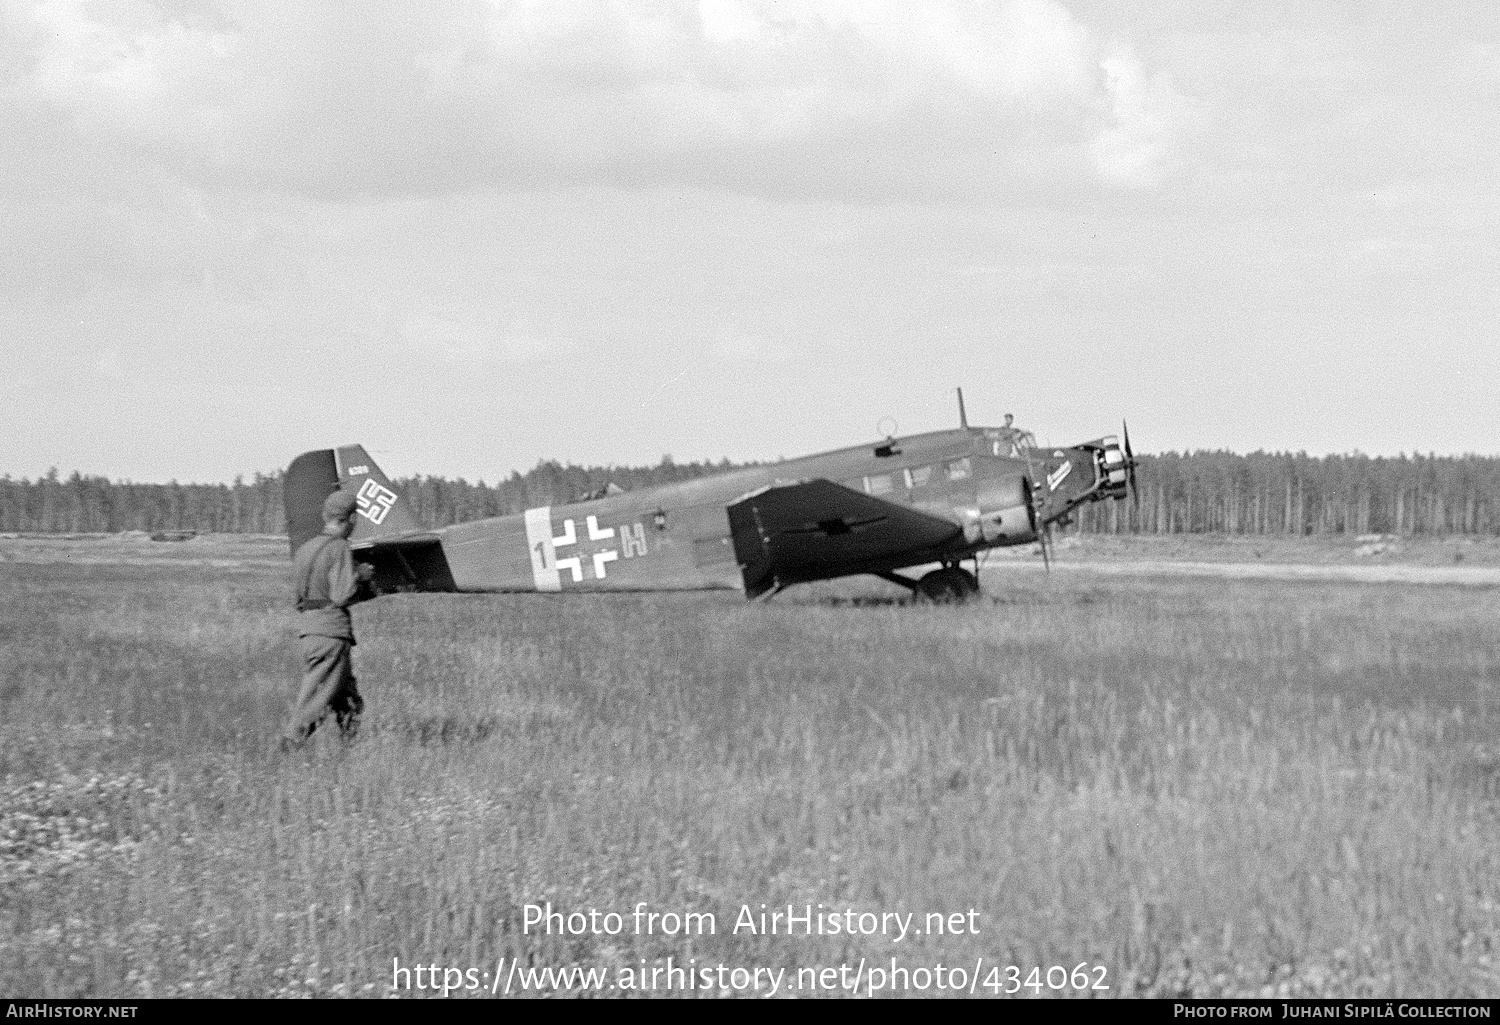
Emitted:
<point x="678" y="536"/>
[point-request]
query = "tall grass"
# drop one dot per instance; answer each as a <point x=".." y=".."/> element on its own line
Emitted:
<point x="1206" y="787"/>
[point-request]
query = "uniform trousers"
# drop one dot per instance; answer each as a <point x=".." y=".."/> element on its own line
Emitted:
<point x="328" y="687"/>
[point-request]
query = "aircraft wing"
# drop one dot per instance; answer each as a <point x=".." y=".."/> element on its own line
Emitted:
<point x="816" y="529"/>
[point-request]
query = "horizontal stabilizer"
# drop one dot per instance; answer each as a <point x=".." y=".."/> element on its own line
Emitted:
<point x="416" y="563"/>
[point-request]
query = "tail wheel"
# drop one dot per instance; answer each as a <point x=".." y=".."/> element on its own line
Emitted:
<point x="948" y="586"/>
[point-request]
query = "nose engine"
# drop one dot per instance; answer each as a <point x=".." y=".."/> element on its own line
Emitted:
<point x="1114" y="467"/>
<point x="1005" y="513"/>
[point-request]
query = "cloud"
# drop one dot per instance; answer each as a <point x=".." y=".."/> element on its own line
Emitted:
<point x="728" y="21"/>
<point x="67" y="246"/>
<point x="732" y="346"/>
<point x="465" y="340"/>
<point x="108" y="363"/>
<point x="748" y="95"/>
<point x="123" y="69"/>
<point x="1137" y="149"/>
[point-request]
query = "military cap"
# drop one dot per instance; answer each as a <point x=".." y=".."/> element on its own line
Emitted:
<point x="339" y="506"/>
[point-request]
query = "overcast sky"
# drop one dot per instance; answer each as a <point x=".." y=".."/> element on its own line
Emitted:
<point x="472" y="235"/>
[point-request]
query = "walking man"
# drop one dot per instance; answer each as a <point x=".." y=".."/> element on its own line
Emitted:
<point x="326" y="584"/>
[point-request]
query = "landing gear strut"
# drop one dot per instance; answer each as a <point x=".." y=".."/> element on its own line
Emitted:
<point x="947" y="586"/>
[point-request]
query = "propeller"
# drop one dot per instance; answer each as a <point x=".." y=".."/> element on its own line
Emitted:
<point x="1135" y="491"/>
<point x="1044" y="535"/>
<point x="1042" y="527"/>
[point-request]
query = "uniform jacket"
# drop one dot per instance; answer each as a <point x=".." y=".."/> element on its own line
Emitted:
<point x="325" y="586"/>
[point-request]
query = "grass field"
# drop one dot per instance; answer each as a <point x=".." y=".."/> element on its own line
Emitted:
<point x="1204" y="786"/>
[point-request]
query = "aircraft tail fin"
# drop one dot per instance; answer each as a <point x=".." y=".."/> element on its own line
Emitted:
<point x="382" y="513"/>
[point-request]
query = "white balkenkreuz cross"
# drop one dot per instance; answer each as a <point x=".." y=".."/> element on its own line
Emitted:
<point x="593" y="551"/>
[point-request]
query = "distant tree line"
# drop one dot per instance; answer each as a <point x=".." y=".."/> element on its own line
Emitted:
<point x="1282" y="493"/>
<point x="1260" y="493"/>
<point x="80" y="505"/>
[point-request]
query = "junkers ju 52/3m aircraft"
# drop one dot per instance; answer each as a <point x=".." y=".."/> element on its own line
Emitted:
<point x="879" y="508"/>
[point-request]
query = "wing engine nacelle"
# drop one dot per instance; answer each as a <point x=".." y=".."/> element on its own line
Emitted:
<point x="1005" y="514"/>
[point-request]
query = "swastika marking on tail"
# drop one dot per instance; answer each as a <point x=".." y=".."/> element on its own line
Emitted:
<point x="374" y="501"/>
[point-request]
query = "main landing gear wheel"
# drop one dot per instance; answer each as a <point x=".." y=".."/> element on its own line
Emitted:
<point x="948" y="586"/>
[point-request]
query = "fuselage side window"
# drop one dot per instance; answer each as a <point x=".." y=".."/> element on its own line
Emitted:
<point x="879" y="484"/>
<point x="960" y="468"/>
<point x="918" y="476"/>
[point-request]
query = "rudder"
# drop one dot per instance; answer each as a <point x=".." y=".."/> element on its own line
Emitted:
<point x="313" y="476"/>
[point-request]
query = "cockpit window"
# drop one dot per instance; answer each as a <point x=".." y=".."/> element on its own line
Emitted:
<point x="918" y="476"/>
<point x="879" y="484"/>
<point x="960" y="468"/>
<point x="1010" y="442"/>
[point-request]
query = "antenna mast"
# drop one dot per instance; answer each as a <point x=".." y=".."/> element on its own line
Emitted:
<point x="963" y="419"/>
